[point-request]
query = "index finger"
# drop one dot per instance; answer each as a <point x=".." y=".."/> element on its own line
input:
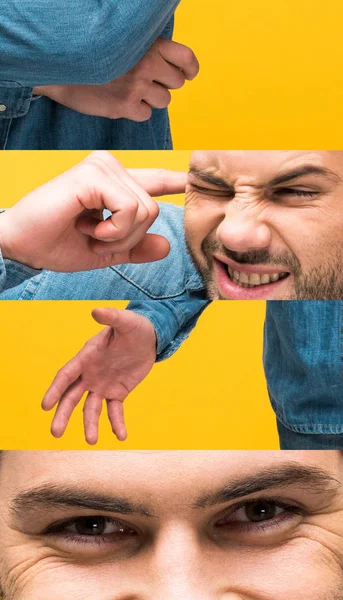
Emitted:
<point x="160" y="182"/>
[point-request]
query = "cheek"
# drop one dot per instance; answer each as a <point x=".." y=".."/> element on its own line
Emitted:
<point x="317" y="248"/>
<point x="300" y="570"/>
<point x="201" y="217"/>
<point x="32" y="571"/>
<point x="314" y="237"/>
<point x="52" y="578"/>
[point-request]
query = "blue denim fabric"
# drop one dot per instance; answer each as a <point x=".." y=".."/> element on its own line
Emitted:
<point x="303" y="362"/>
<point x="173" y="281"/>
<point x="303" y="352"/>
<point x="291" y="440"/>
<point x="74" y="42"/>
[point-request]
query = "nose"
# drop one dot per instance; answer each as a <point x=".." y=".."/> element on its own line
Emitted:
<point x="177" y="562"/>
<point x="242" y="230"/>
<point x="181" y="571"/>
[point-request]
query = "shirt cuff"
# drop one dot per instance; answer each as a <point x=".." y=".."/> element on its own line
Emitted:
<point x="172" y="323"/>
<point x="15" y="100"/>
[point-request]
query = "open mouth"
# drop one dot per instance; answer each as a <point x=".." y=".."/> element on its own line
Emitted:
<point x="252" y="280"/>
<point x="248" y="282"/>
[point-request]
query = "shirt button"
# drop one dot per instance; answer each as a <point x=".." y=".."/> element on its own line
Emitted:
<point x="3" y="108"/>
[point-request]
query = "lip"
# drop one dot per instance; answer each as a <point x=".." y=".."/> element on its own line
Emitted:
<point x="261" y="270"/>
<point x="228" y="289"/>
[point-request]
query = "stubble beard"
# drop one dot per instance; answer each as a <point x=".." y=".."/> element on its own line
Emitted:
<point x="319" y="283"/>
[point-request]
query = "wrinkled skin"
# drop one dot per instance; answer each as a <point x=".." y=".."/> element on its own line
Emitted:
<point x="239" y="215"/>
<point x="179" y="525"/>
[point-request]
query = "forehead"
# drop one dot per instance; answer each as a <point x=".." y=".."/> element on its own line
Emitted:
<point x="157" y="477"/>
<point x="262" y="165"/>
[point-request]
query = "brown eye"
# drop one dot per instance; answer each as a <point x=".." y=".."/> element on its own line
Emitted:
<point x="98" y="526"/>
<point x="90" y="526"/>
<point x="94" y="532"/>
<point x="261" y="511"/>
<point x="254" y="512"/>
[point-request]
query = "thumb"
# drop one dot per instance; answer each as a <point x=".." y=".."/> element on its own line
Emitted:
<point x="122" y="321"/>
<point x="150" y="248"/>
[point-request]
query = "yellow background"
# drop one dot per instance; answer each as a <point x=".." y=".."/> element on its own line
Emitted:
<point x="210" y="394"/>
<point x="271" y="75"/>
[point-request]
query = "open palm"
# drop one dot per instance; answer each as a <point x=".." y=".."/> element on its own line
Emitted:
<point x="109" y="366"/>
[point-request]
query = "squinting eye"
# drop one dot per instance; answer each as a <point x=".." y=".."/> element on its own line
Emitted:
<point x="212" y="192"/>
<point x="295" y="192"/>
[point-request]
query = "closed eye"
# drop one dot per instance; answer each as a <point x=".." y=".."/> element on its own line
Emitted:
<point x="287" y="191"/>
<point x="225" y="193"/>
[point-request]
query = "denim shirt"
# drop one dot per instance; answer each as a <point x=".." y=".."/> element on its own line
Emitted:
<point x="173" y="281"/>
<point x="75" y="42"/>
<point x="303" y="347"/>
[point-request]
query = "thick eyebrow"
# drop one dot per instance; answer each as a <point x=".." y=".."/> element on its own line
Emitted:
<point x="207" y="177"/>
<point x="311" y="479"/>
<point x="278" y="180"/>
<point x="301" y="172"/>
<point x="48" y="497"/>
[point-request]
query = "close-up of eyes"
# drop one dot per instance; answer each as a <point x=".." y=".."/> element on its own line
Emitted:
<point x="246" y="519"/>
<point x="92" y="529"/>
<point x="295" y="192"/>
<point x="211" y="191"/>
<point x="283" y="192"/>
<point x="258" y="516"/>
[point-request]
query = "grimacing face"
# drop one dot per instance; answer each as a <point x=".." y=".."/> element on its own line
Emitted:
<point x="202" y="525"/>
<point x="267" y="224"/>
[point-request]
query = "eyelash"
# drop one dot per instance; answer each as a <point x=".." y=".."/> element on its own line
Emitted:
<point x="278" y="192"/>
<point x="57" y="529"/>
<point x="295" y="192"/>
<point x="290" y="510"/>
<point x="211" y="192"/>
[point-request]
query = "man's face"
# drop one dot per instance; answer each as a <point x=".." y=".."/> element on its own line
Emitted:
<point x="171" y="525"/>
<point x="267" y="224"/>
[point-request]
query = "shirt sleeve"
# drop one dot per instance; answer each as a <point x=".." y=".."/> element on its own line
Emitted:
<point x="13" y="273"/>
<point x="73" y="42"/>
<point x="173" y="320"/>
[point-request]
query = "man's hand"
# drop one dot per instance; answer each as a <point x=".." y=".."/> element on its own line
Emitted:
<point x="60" y="225"/>
<point x="166" y="66"/>
<point x="109" y="366"/>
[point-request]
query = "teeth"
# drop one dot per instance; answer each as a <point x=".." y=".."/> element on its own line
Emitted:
<point x="265" y="279"/>
<point x="250" y="280"/>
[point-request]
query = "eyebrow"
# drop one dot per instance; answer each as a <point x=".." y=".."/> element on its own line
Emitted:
<point x="311" y="479"/>
<point x="212" y="179"/>
<point x="48" y="497"/>
<point x="302" y="172"/>
<point x="278" y="180"/>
